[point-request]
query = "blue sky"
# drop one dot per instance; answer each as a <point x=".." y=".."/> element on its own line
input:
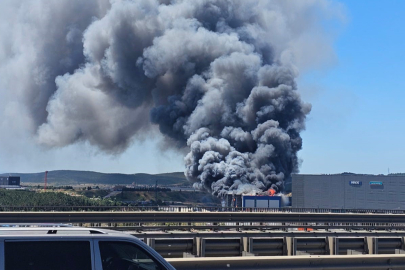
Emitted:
<point x="356" y="123"/>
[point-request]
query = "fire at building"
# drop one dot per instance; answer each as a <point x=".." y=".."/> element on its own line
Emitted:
<point x="268" y="199"/>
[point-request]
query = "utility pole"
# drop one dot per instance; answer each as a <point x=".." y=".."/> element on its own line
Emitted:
<point x="46" y="179"/>
<point x="156" y="192"/>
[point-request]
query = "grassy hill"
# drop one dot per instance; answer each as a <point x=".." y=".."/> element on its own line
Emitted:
<point x="18" y="198"/>
<point x="67" y="177"/>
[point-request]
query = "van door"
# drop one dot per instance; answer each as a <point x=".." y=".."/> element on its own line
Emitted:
<point x="47" y="255"/>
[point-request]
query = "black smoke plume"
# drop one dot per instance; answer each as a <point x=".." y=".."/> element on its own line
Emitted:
<point x="217" y="77"/>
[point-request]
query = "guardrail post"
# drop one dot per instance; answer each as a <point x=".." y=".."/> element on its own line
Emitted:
<point x="195" y="253"/>
<point x="403" y="243"/>
<point x="247" y="254"/>
<point x="202" y="247"/>
<point x="289" y="246"/>
<point x="330" y="244"/>
<point x="369" y="241"/>
<point x="198" y="245"/>
<point x="245" y="244"/>
<point x="285" y="249"/>
<point x="151" y="242"/>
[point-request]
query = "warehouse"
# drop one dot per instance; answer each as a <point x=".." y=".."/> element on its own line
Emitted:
<point x="252" y="201"/>
<point x="348" y="191"/>
<point x="9" y="180"/>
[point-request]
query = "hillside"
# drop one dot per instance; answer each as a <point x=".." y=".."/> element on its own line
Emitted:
<point x="67" y="177"/>
<point x="22" y="198"/>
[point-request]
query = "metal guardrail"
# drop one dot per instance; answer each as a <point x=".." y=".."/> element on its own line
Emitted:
<point x="387" y="245"/>
<point x="311" y="246"/>
<point x="267" y="246"/>
<point x="173" y="235"/>
<point x="239" y="227"/>
<point x="189" y="209"/>
<point x="345" y="245"/>
<point x="204" y="246"/>
<point x="336" y="262"/>
<point x="173" y="248"/>
<point x="220" y="247"/>
<point x="201" y="217"/>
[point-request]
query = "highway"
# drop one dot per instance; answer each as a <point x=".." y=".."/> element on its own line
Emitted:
<point x="249" y="248"/>
<point x="276" y="233"/>
<point x="190" y="209"/>
<point x="199" y="217"/>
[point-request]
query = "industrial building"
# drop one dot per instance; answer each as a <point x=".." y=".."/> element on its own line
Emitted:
<point x="9" y="182"/>
<point x="348" y="191"/>
<point x="252" y="201"/>
<point x="261" y="201"/>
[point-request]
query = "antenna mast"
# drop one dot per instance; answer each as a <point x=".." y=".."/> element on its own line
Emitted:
<point x="156" y="191"/>
<point x="46" y="179"/>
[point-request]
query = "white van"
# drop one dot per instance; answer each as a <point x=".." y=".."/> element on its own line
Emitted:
<point x="75" y="248"/>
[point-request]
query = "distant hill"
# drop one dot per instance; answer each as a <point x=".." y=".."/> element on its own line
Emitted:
<point x="67" y="177"/>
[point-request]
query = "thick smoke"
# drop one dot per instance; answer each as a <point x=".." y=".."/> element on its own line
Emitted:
<point x="216" y="76"/>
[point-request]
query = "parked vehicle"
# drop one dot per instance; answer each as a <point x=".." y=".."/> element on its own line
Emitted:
<point x="68" y="248"/>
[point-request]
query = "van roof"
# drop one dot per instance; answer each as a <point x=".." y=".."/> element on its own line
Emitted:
<point x="54" y="229"/>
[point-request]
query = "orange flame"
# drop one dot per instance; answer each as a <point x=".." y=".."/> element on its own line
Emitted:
<point x="271" y="192"/>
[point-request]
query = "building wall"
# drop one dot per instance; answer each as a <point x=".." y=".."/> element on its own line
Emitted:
<point x="9" y="180"/>
<point x="261" y="201"/>
<point x="3" y="180"/>
<point x="233" y="200"/>
<point x="14" y="180"/>
<point x="348" y="191"/>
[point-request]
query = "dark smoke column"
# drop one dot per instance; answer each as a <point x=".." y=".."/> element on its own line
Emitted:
<point x="249" y="144"/>
<point x="239" y="110"/>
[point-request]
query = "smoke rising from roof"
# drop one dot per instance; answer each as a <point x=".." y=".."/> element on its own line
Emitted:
<point x="216" y="76"/>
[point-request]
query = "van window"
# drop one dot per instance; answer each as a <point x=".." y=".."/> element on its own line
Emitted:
<point x="47" y="255"/>
<point x="126" y="256"/>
